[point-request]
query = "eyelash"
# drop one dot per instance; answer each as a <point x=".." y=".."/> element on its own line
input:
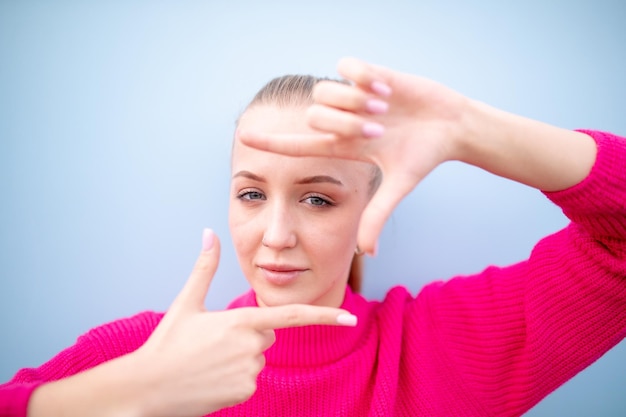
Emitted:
<point x="326" y="202"/>
<point x="245" y="196"/>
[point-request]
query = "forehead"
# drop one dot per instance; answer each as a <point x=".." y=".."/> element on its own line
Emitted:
<point x="275" y="119"/>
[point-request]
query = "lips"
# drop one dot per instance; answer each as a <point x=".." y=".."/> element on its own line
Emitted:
<point x="280" y="274"/>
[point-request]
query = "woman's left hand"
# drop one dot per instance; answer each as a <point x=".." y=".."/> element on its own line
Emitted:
<point x="405" y="124"/>
<point x="408" y="125"/>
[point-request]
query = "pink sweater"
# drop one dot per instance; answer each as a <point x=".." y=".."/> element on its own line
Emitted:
<point x="490" y="344"/>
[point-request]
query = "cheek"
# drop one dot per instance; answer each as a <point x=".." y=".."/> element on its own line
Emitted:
<point x="332" y="252"/>
<point x="334" y="236"/>
<point x="244" y="231"/>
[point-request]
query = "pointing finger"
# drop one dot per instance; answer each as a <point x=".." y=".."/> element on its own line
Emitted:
<point x="307" y="144"/>
<point x="297" y="315"/>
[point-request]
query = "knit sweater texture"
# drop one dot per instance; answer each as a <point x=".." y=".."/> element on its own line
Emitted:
<point x="490" y="344"/>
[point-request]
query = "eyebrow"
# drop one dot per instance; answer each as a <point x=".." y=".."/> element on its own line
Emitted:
<point x="307" y="180"/>
<point x="319" y="178"/>
<point x="250" y="175"/>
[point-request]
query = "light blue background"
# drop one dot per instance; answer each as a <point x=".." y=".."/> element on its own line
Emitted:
<point x="115" y="127"/>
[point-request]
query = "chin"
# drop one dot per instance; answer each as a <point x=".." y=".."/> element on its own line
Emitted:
<point x="273" y="297"/>
<point x="281" y="298"/>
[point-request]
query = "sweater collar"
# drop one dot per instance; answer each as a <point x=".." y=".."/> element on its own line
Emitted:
<point x="316" y="345"/>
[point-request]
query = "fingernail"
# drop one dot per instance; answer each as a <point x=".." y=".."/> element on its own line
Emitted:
<point x="373" y="130"/>
<point x="208" y="238"/>
<point x="376" y="106"/>
<point x="381" y="88"/>
<point x="347" y="319"/>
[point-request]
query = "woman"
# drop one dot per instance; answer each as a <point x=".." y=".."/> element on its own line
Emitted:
<point x="490" y="344"/>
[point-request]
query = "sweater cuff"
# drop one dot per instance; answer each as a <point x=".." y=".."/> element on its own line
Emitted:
<point x="600" y="199"/>
<point x="14" y="399"/>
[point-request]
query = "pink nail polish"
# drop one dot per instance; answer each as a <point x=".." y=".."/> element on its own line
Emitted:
<point x="373" y="130"/>
<point x="347" y="319"/>
<point x="376" y="106"/>
<point x="208" y="239"/>
<point x="381" y="88"/>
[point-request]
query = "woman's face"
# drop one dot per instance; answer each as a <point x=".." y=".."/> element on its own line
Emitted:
<point x="294" y="220"/>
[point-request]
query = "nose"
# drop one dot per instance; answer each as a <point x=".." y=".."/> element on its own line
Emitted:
<point x="280" y="227"/>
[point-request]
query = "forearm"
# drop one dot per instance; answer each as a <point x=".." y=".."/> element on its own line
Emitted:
<point x="524" y="150"/>
<point x="111" y="389"/>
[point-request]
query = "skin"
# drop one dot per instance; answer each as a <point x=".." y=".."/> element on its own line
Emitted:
<point x="302" y="218"/>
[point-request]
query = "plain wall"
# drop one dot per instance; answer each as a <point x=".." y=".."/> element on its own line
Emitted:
<point x="115" y="127"/>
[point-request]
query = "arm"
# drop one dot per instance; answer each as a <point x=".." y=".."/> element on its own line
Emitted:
<point x="515" y="334"/>
<point x="111" y="389"/>
<point x="78" y="374"/>
<point x="15" y="394"/>
<point x="29" y="387"/>
<point x="524" y="150"/>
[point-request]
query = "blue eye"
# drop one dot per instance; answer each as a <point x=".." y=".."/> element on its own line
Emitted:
<point x="251" y="195"/>
<point x="317" y="201"/>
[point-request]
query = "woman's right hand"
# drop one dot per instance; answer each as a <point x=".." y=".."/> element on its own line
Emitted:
<point x="204" y="361"/>
<point x="194" y="363"/>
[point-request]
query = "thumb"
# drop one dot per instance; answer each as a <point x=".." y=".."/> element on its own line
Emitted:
<point x="384" y="201"/>
<point x="192" y="296"/>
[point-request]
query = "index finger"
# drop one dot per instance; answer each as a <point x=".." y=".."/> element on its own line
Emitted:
<point x="306" y="144"/>
<point x="298" y="315"/>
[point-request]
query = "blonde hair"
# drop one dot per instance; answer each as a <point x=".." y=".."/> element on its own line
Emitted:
<point x="297" y="90"/>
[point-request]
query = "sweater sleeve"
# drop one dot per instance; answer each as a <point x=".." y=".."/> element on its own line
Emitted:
<point x="97" y="346"/>
<point x="515" y="334"/>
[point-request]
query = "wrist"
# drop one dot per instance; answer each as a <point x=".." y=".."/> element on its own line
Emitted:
<point x="534" y="153"/>
<point x="476" y="122"/>
<point x="110" y="389"/>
